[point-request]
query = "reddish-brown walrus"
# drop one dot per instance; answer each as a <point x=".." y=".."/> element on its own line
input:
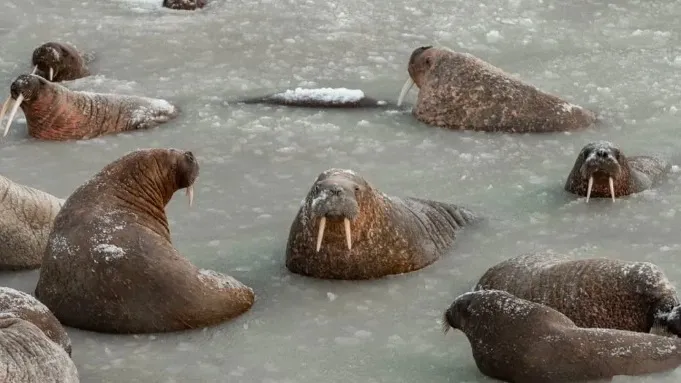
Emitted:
<point x="460" y="91"/>
<point x="601" y="170"/>
<point x="21" y="305"/>
<point x="347" y="229"/>
<point x="186" y="5"/>
<point x="593" y="292"/>
<point x="110" y="266"/>
<point x="53" y="112"/>
<point x="516" y="340"/>
<point x="27" y="355"/>
<point x="60" y="62"/>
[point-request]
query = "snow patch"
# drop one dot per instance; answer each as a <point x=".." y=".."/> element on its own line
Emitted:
<point x="220" y="281"/>
<point x="327" y="95"/>
<point x="13" y="300"/>
<point x="109" y="251"/>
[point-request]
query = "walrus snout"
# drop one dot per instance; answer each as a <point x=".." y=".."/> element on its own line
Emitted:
<point x="24" y="88"/>
<point x="673" y="321"/>
<point x="419" y="63"/>
<point x="335" y="200"/>
<point x="47" y="60"/>
<point x="187" y="173"/>
<point x="458" y="311"/>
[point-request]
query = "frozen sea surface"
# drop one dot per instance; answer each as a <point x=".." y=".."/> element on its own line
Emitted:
<point x="258" y="162"/>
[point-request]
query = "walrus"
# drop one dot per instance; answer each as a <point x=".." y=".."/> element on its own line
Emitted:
<point x="21" y="305"/>
<point x="460" y="91"/>
<point x="594" y="292"/>
<point x="319" y="98"/>
<point x="516" y="340"/>
<point x="602" y="170"/>
<point x="53" y="112"/>
<point x="28" y="356"/>
<point x="60" y="62"/>
<point x="186" y="5"/>
<point x="109" y="264"/>
<point x="347" y="229"/>
<point x="25" y="223"/>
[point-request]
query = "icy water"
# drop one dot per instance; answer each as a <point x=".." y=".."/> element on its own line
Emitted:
<point x="257" y="163"/>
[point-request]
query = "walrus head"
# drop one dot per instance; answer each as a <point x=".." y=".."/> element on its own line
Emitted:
<point x="25" y="88"/>
<point x="420" y="62"/>
<point x="49" y="59"/>
<point x="336" y="198"/>
<point x="601" y="166"/>
<point x="458" y="312"/>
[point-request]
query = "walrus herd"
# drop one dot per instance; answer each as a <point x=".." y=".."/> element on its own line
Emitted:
<point x="107" y="262"/>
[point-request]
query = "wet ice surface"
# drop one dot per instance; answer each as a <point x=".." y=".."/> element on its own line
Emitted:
<point x="257" y="163"/>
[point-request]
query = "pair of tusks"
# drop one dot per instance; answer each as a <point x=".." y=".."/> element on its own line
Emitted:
<point x="322" y="226"/>
<point x="591" y="184"/>
<point x="6" y="105"/>
<point x="190" y="194"/>
<point x="35" y="68"/>
<point x="405" y="89"/>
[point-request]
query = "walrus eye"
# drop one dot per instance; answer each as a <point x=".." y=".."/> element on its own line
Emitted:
<point x="190" y="157"/>
<point x="428" y="61"/>
<point x="356" y="189"/>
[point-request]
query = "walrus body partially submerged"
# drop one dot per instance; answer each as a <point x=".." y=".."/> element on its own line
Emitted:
<point x="594" y="292"/>
<point x="60" y="62"/>
<point x="346" y="229"/>
<point x="26" y="219"/>
<point x="461" y="91"/>
<point x="516" y="340"/>
<point x="53" y="112"/>
<point x="110" y="266"/>
<point x="601" y="170"/>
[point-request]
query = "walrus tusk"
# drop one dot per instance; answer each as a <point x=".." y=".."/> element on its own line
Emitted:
<point x="35" y="68"/>
<point x="320" y="233"/>
<point x="17" y="103"/>
<point x="5" y="105"/>
<point x="190" y="194"/>
<point x="405" y="89"/>
<point x="348" y="233"/>
<point x="612" y="188"/>
<point x="588" y="188"/>
<point x="51" y="73"/>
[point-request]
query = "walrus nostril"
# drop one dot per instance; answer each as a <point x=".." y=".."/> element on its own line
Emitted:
<point x="602" y="153"/>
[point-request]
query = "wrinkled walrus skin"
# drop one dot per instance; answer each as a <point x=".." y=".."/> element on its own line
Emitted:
<point x="28" y="356"/>
<point x="460" y="91"/>
<point x="25" y="223"/>
<point x="515" y="340"/>
<point x="59" y="62"/>
<point x="110" y="266"/>
<point x="21" y="305"/>
<point x="594" y="292"/>
<point x="388" y="235"/>
<point x="602" y="160"/>
<point x="53" y="112"/>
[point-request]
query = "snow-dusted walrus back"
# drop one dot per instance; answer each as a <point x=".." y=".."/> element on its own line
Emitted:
<point x="25" y="223"/>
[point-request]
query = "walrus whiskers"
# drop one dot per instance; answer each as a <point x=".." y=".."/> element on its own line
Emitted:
<point x="17" y="103"/>
<point x="320" y="233"/>
<point x="588" y="188"/>
<point x="405" y="89"/>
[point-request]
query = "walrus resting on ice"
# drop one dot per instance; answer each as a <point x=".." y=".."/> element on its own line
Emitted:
<point x="25" y="223"/>
<point x="21" y="305"/>
<point x="60" y="62"/>
<point x="601" y="170"/>
<point x="347" y="229"/>
<point x="28" y="356"/>
<point x="461" y="91"/>
<point x="110" y="266"/>
<point x="53" y="112"/>
<point x="186" y="5"/>
<point x="594" y="292"/>
<point x="320" y="98"/>
<point x="516" y="340"/>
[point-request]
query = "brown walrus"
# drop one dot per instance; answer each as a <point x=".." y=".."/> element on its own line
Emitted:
<point x="21" y="305"/>
<point x="595" y="292"/>
<point x="28" y="356"/>
<point x="460" y="91"/>
<point x="54" y="112"/>
<point x="320" y="98"/>
<point x="601" y="170"/>
<point x="25" y="223"/>
<point x="60" y="62"/>
<point x="516" y="340"/>
<point x="110" y="266"/>
<point x="347" y="229"/>
<point x="186" y="5"/>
